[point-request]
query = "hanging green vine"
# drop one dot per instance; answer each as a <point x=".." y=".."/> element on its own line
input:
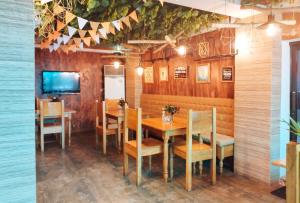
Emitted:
<point x="155" y="20"/>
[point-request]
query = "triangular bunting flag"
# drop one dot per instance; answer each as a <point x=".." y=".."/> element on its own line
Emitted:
<point x="55" y="46"/>
<point x="59" y="40"/>
<point x="82" y="33"/>
<point x="94" y="25"/>
<point x="81" y="45"/>
<point x="51" y="48"/>
<point x="126" y="21"/>
<point x="56" y="34"/>
<point x="96" y="38"/>
<point x="106" y="26"/>
<point x="71" y="30"/>
<point x="112" y="30"/>
<point x="77" y="41"/>
<point x="59" y="25"/>
<point x="92" y="33"/>
<point x="45" y="1"/>
<point x="103" y="34"/>
<point x="116" y="23"/>
<point x="65" y="48"/>
<point x="50" y="37"/>
<point x="87" y="41"/>
<point x="161" y="2"/>
<point x="70" y="42"/>
<point x="69" y="17"/>
<point x="72" y="48"/>
<point x="66" y="38"/>
<point x="81" y="22"/>
<point x="134" y="16"/>
<point x="57" y="9"/>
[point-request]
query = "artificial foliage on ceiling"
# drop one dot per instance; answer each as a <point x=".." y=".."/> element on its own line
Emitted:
<point x="155" y="20"/>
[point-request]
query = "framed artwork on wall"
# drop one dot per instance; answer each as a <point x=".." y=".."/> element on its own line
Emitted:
<point x="203" y="73"/>
<point x="148" y="75"/>
<point x="227" y="74"/>
<point x="181" y="72"/>
<point x="163" y="74"/>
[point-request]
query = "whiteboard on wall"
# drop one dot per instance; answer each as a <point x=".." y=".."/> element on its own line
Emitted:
<point x="114" y="82"/>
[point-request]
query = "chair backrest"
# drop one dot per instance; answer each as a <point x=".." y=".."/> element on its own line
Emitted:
<point x="38" y="101"/>
<point x="100" y="113"/>
<point x="112" y="104"/>
<point x="52" y="110"/>
<point x="133" y="121"/>
<point x="201" y="122"/>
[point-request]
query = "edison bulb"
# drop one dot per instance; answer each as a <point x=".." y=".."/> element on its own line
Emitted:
<point x="117" y="64"/>
<point x="140" y="70"/>
<point x="181" y="50"/>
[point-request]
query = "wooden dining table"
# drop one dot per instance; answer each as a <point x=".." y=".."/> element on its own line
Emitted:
<point x="118" y="115"/>
<point x="166" y="131"/>
<point x="67" y="114"/>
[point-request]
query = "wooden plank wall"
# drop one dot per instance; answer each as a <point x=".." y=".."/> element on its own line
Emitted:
<point x="17" y="138"/>
<point x="257" y="107"/>
<point x="90" y="66"/>
<point x="219" y="45"/>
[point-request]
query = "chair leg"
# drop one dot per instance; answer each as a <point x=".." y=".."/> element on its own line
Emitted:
<point x="97" y="139"/>
<point x="125" y="164"/>
<point x="200" y="168"/>
<point x="188" y="176"/>
<point x="138" y="170"/>
<point x="213" y="170"/>
<point x="194" y="168"/>
<point x="104" y="144"/>
<point x="221" y="165"/>
<point x="150" y="164"/>
<point x="63" y="140"/>
<point x="42" y="142"/>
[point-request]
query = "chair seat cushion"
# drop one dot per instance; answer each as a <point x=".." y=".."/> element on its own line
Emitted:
<point x="222" y="140"/>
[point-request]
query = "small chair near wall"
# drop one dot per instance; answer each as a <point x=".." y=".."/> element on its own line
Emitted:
<point x="50" y="110"/>
<point x="140" y="147"/>
<point x="198" y="122"/>
<point x="103" y="128"/>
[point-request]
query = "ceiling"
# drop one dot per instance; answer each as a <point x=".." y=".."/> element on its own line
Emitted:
<point x="217" y="6"/>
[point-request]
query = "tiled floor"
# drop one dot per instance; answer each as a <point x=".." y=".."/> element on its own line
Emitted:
<point x="83" y="174"/>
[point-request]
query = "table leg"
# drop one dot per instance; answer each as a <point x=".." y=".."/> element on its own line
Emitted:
<point x="171" y="158"/>
<point x="166" y="158"/>
<point x="119" y="134"/>
<point x="70" y="127"/>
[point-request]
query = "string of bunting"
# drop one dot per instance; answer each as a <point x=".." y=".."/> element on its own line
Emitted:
<point x="57" y="40"/>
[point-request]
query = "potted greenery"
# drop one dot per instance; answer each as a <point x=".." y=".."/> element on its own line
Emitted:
<point x="168" y="112"/>
<point x="122" y="103"/>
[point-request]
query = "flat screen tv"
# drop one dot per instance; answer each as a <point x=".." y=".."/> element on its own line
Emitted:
<point x="60" y="82"/>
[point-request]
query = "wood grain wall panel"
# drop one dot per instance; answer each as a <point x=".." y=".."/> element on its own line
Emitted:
<point x="17" y="138"/>
<point x="90" y="66"/>
<point x="219" y="44"/>
<point x="257" y="108"/>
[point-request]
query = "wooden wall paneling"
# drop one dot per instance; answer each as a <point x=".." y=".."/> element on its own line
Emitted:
<point x="90" y="66"/>
<point x="257" y="108"/>
<point x="17" y="135"/>
<point x="219" y="43"/>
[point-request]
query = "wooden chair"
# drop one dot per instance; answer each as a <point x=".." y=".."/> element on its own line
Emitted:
<point x="102" y="126"/>
<point x="52" y="110"/>
<point x="198" y="122"/>
<point x="140" y="147"/>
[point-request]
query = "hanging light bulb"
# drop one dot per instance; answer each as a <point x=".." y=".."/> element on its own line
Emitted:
<point x="117" y="64"/>
<point x="140" y="70"/>
<point x="272" y="30"/>
<point x="181" y="50"/>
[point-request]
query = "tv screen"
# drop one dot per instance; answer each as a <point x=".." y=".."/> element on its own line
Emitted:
<point x="58" y="82"/>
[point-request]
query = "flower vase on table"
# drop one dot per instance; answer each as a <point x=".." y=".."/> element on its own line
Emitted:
<point x="168" y="113"/>
<point x="122" y="103"/>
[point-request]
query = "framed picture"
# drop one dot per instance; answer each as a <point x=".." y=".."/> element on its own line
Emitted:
<point x="148" y="75"/>
<point x="203" y="73"/>
<point x="180" y="72"/>
<point x="163" y="74"/>
<point x="227" y="74"/>
<point x="203" y="49"/>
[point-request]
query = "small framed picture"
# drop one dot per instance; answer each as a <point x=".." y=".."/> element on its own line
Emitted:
<point x="163" y="74"/>
<point x="181" y="72"/>
<point x="203" y="73"/>
<point x="148" y="74"/>
<point x="227" y="74"/>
